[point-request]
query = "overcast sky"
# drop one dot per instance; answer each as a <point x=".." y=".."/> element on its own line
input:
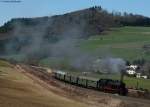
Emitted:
<point x="36" y="8"/>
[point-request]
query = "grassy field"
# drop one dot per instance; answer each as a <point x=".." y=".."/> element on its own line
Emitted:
<point x="4" y="64"/>
<point x="124" y="42"/>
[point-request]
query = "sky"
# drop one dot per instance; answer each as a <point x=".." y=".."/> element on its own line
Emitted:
<point x="38" y="8"/>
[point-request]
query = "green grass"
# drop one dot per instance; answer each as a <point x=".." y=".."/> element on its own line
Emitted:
<point x="124" y="42"/>
<point x="55" y="63"/>
<point x="142" y="83"/>
<point x="4" y="63"/>
<point x="16" y="57"/>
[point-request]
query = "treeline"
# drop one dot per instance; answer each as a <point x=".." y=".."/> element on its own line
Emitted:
<point x="6" y="27"/>
<point x="10" y="25"/>
<point x="129" y="19"/>
<point x="124" y="19"/>
<point x="93" y="20"/>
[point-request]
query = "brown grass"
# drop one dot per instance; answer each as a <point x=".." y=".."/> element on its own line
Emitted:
<point x="17" y="90"/>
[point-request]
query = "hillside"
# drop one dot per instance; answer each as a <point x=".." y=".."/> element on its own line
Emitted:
<point x="20" y="33"/>
<point x="37" y="38"/>
<point x="125" y="42"/>
<point x="90" y="21"/>
<point x="128" y="43"/>
<point x="18" y="90"/>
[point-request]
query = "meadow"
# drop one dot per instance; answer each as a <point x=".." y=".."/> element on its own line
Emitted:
<point x="123" y="42"/>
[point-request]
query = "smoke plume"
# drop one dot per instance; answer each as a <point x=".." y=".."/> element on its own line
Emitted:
<point x="38" y="42"/>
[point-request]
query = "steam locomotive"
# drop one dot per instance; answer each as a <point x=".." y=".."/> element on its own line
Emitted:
<point x="105" y="85"/>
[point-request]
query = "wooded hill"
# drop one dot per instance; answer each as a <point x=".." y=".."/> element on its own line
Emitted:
<point x="79" y="24"/>
<point x="92" y="21"/>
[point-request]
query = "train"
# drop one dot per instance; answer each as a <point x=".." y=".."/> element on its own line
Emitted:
<point x="104" y="85"/>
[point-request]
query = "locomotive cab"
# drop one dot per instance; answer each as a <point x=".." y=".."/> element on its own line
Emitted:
<point x="112" y="86"/>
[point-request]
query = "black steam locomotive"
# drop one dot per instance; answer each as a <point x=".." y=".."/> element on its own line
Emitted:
<point x="105" y="85"/>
